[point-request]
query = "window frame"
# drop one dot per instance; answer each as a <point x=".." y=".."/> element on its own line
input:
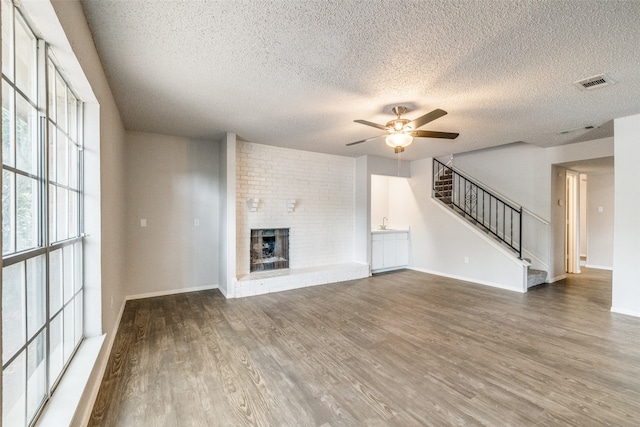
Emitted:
<point x="72" y="303"/>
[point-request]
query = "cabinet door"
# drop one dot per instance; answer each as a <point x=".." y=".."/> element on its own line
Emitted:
<point x="402" y="249"/>
<point x="390" y="256"/>
<point x="377" y="254"/>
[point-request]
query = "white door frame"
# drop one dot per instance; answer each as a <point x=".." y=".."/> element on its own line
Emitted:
<point x="572" y="229"/>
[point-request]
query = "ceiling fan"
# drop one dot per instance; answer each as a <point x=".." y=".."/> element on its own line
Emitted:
<point x="402" y="131"/>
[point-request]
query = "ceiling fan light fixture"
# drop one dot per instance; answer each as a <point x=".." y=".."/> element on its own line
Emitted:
<point x="398" y="139"/>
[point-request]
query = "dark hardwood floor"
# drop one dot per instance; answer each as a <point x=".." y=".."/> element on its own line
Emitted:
<point x="397" y="349"/>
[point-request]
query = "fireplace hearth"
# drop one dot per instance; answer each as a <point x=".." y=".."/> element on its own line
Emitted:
<point x="269" y="249"/>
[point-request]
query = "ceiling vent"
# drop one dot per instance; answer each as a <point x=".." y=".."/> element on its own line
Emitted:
<point x="594" y="82"/>
<point x="577" y="129"/>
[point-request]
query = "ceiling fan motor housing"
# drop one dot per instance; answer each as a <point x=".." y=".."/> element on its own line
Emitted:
<point x="399" y="125"/>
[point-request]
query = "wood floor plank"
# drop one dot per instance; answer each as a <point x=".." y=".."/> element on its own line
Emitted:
<point x="397" y="349"/>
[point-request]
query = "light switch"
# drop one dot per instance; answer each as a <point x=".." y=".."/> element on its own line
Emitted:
<point x="600" y="209"/>
<point x="196" y="222"/>
<point x="143" y="222"/>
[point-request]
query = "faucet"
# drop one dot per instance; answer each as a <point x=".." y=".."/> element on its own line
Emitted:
<point x="384" y="226"/>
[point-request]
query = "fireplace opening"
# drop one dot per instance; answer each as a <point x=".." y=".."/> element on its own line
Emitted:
<point x="269" y="249"/>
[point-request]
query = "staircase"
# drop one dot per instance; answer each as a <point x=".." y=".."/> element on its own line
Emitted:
<point x="473" y="206"/>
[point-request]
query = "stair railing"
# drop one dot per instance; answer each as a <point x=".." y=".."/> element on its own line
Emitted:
<point x="499" y="217"/>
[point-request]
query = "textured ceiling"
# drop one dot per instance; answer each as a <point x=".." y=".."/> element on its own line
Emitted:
<point x="296" y="73"/>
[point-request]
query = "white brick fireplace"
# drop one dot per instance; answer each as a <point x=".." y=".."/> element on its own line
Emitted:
<point x="312" y="195"/>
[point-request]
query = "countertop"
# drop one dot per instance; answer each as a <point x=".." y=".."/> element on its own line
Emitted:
<point x="389" y="230"/>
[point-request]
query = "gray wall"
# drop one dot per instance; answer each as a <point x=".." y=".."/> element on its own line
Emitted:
<point x="172" y="183"/>
<point x="600" y="230"/>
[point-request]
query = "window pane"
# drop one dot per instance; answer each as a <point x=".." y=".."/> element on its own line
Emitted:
<point x="73" y="166"/>
<point x="14" y="310"/>
<point x="61" y="213"/>
<point x="51" y="83"/>
<point x="36" y="374"/>
<point x="55" y="281"/>
<point x="27" y="213"/>
<point x="8" y="212"/>
<point x="79" y="318"/>
<point x="13" y="396"/>
<point x="26" y="136"/>
<point x="52" y="150"/>
<point x="61" y="158"/>
<point x="67" y="257"/>
<point x="36" y="294"/>
<point x="7" y="125"/>
<point x="72" y="111"/>
<point x="25" y="57"/>
<point x="77" y="253"/>
<point x="61" y="103"/>
<point x="73" y="214"/>
<point x="55" y="349"/>
<point x="53" y="233"/>
<point x="69" y="331"/>
<point x="7" y="38"/>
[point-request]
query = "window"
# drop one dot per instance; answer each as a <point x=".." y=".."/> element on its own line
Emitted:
<point x="42" y="287"/>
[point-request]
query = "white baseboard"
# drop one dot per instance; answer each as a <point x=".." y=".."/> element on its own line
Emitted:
<point x="624" y="311"/>
<point x="557" y="278"/>
<point x="171" y="292"/>
<point x="599" y="267"/>
<point x="224" y="293"/>
<point x="466" y="279"/>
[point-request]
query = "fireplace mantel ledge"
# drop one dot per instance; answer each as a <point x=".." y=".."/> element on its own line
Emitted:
<point x="263" y="282"/>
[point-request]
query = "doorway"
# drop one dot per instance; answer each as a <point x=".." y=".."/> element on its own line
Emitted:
<point x="582" y="216"/>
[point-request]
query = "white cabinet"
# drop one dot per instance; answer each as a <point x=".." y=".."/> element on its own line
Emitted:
<point x="377" y="252"/>
<point x="389" y="250"/>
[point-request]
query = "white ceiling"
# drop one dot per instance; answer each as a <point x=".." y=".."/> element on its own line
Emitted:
<point x="296" y="73"/>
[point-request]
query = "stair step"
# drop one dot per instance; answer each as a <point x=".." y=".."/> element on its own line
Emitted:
<point x="536" y="277"/>
<point x="443" y="185"/>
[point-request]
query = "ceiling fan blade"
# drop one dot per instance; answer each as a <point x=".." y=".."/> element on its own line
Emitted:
<point x="433" y="134"/>
<point x="429" y="117"/>
<point x="375" y="125"/>
<point x="364" y="140"/>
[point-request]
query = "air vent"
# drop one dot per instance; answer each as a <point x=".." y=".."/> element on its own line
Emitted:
<point x="564" y="132"/>
<point x="594" y="82"/>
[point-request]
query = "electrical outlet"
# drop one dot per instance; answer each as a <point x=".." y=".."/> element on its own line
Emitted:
<point x="196" y="222"/>
<point x="143" y="222"/>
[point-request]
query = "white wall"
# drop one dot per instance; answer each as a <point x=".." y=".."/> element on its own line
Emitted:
<point x="521" y="171"/>
<point x="227" y="226"/>
<point x="385" y="202"/>
<point x="558" y="218"/>
<point x="172" y="182"/>
<point x="322" y="223"/>
<point x="626" y="249"/>
<point x="600" y="224"/>
<point x="440" y="240"/>
<point x="379" y="200"/>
